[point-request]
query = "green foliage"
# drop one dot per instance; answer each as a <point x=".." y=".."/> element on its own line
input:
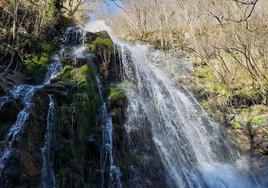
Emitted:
<point x="219" y="89"/>
<point x="203" y="72"/>
<point x="116" y="93"/>
<point x="256" y="120"/>
<point x="235" y="124"/>
<point x="35" y="67"/>
<point x="50" y="11"/>
<point x="105" y="42"/>
<point x="76" y="75"/>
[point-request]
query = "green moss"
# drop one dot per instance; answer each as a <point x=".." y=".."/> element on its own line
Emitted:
<point x="80" y="75"/>
<point x="75" y="75"/>
<point x="76" y="125"/>
<point x="257" y="120"/>
<point x="106" y="42"/>
<point x="235" y="124"/>
<point x="85" y="99"/>
<point x="116" y="94"/>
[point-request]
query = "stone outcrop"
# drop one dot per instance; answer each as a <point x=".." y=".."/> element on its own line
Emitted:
<point x="23" y="167"/>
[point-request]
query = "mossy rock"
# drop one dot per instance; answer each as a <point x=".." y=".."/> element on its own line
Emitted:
<point x="76" y="121"/>
<point x="117" y="97"/>
<point x="104" y="42"/>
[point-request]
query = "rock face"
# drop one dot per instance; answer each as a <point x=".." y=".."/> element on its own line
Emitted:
<point x="10" y="109"/>
<point x="77" y="135"/>
<point x="23" y="167"/>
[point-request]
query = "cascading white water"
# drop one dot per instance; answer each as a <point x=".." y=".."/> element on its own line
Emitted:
<point x="107" y="161"/>
<point x="74" y="35"/>
<point x="192" y="148"/>
<point x="48" y="177"/>
<point x="26" y="93"/>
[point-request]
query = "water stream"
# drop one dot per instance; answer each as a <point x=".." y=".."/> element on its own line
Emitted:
<point x="25" y="93"/>
<point x="193" y="149"/>
<point x="48" y="177"/>
<point x="107" y="161"/>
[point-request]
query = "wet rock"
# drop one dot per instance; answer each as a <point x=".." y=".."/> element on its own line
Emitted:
<point x="103" y="34"/>
<point x="77" y="134"/>
<point x="23" y="167"/>
<point x="20" y="171"/>
<point x="27" y="160"/>
<point x="10" y="110"/>
<point x="67" y="59"/>
<point x="62" y="91"/>
<point x="108" y="57"/>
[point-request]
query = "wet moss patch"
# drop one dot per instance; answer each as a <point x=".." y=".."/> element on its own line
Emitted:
<point x="105" y="42"/>
<point x="76" y="121"/>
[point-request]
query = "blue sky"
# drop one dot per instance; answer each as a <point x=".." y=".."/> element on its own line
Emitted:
<point x="109" y="7"/>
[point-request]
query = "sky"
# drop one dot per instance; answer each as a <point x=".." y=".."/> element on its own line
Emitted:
<point x="107" y="7"/>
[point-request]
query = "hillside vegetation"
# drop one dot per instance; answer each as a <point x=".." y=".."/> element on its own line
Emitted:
<point x="29" y="33"/>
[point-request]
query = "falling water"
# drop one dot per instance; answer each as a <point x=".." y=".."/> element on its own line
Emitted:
<point x="107" y="161"/>
<point x="191" y="146"/>
<point x="74" y="35"/>
<point x="26" y="93"/>
<point x="48" y="178"/>
<point x="193" y="149"/>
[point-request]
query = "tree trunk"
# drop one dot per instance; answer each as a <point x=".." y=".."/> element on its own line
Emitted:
<point x="14" y="34"/>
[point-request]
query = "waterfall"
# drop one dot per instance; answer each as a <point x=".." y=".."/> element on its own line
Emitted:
<point x="107" y="161"/>
<point x="48" y="178"/>
<point x="74" y="35"/>
<point x="26" y="93"/>
<point x="193" y="149"/>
